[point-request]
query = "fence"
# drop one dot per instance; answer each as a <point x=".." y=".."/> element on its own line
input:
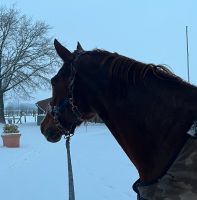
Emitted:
<point x="17" y="116"/>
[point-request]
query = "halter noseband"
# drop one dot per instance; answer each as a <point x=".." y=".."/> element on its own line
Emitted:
<point x="68" y="102"/>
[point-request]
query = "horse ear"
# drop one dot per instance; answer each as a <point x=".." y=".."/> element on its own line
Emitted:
<point x="63" y="53"/>
<point x="79" y="47"/>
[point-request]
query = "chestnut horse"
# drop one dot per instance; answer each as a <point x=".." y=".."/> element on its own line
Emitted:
<point x="150" y="111"/>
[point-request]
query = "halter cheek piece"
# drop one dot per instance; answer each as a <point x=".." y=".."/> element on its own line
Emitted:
<point x="68" y="103"/>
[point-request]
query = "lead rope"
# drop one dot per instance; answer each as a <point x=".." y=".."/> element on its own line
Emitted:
<point x="70" y="172"/>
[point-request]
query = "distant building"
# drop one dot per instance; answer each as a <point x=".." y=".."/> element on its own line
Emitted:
<point x="42" y="109"/>
<point x="42" y="106"/>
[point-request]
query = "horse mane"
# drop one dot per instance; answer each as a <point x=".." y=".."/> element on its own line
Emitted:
<point x="129" y="70"/>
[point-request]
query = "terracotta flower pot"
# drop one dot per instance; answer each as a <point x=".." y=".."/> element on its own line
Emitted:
<point x="11" y="139"/>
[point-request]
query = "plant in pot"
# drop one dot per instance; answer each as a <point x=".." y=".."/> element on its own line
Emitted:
<point x="11" y="135"/>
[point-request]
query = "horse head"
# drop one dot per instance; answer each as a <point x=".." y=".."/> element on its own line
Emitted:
<point x="66" y="110"/>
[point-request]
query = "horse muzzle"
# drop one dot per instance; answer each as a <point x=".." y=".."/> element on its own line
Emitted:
<point x="52" y="136"/>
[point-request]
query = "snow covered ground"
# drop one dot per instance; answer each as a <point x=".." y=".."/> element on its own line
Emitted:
<point x="38" y="169"/>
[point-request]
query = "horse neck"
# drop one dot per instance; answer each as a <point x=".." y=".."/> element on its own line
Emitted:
<point x="149" y="144"/>
<point x="147" y="149"/>
<point x="191" y="101"/>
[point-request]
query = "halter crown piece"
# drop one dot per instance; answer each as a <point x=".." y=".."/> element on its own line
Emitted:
<point x="68" y="102"/>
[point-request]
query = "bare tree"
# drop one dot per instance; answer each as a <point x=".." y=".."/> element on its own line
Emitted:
<point x="27" y="55"/>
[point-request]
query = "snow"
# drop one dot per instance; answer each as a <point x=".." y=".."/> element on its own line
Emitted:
<point x="38" y="169"/>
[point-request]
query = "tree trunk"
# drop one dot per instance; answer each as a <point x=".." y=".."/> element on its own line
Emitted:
<point x="2" y="117"/>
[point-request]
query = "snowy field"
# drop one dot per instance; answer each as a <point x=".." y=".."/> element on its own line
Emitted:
<point x="38" y="170"/>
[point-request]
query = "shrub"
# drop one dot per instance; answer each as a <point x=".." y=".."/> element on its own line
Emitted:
<point x="10" y="128"/>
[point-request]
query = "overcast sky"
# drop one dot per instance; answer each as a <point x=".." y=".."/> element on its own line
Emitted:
<point x="152" y="31"/>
